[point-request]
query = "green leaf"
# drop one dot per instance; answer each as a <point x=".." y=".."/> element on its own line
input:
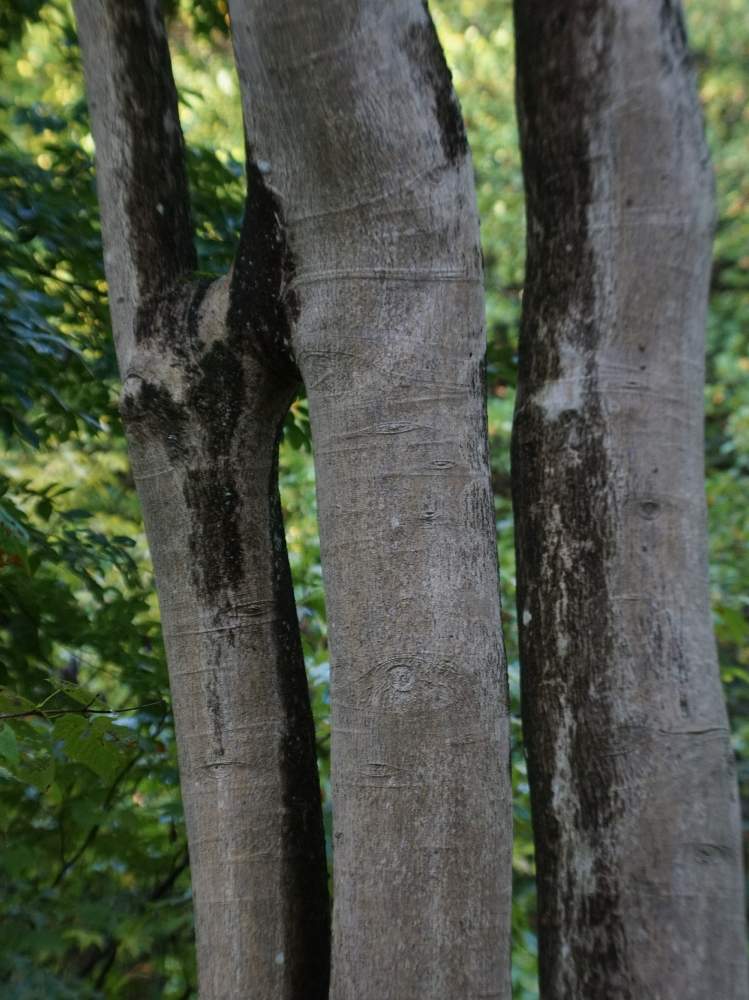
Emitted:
<point x="124" y="540"/>
<point x="8" y="744"/>
<point x="76" y="692"/>
<point x="12" y="703"/>
<point x="35" y="769"/>
<point x="13" y="535"/>
<point x="97" y="744"/>
<point x="44" y="509"/>
<point x="77" y="514"/>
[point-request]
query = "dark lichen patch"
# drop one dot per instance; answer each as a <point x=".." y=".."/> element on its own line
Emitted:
<point x="600" y="962"/>
<point x="262" y="304"/>
<point x="433" y="75"/>
<point x="152" y="410"/>
<point x="214" y="503"/>
<point x="170" y="320"/>
<point x="216" y="396"/>
<point x="157" y="199"/>
<point x="216" y="399"/>
<point x="193" y="302"/>
<point x="167" y="326"/>
<point x="199" y="430"/>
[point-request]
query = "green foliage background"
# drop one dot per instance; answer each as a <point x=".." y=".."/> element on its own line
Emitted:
<point x="95" y="895"/>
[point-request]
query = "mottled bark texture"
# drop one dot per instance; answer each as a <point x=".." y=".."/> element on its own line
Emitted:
<point x="208" y="378"/>
<point x="632" y="774"/>
<point x="354" y="125"/>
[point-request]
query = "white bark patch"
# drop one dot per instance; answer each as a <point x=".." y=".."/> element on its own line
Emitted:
<point x="565" y="393"/>
<point x="563" y="800"/>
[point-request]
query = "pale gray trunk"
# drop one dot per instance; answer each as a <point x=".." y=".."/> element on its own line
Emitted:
<point x="634" y="795"/>
<point x="207" y="381"/>
<point x="353" y="123"/>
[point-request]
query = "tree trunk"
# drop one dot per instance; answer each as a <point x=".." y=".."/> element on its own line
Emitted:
<point x="360" y="262"/>
<point x="634" y="795"/>
<point x="354" y="125"/>
<point x="207" y="381"/>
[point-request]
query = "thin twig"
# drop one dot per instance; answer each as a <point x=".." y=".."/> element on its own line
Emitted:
<point x="53" y="713"/>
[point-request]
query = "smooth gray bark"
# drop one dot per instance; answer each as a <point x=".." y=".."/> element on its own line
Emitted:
<point x="634" y="795"/>
<point x="207" y="382"/>
<point x="359" y="262"/>
<point x="353" y="124"/>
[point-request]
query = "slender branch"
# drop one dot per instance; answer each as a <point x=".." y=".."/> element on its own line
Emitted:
<point x="54" y="713"/>
<point x="70" y="283"/>
<point x="163" y="887"/>
<point x="110" y="955"/>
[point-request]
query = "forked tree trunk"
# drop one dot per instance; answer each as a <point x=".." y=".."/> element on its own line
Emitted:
<point x="207" y="381"/>
<point x="353" y="122"/>
<point x="360" y="263"/>
<point x="634" y="795"/>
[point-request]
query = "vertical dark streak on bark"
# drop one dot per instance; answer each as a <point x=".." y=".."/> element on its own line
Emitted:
<point x="217" y="399"/>
<point x="432" y="73"/>
<point x="672" y="24"/>
<point x="564" y="463"/>
<point x="158" y="204"/>
<point x="306" y="882"/>
<point x="262" y="306"/>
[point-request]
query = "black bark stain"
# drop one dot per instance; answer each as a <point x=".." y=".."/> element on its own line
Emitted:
<point x="216" y="400"/>
<point x="197" y="431"/>
<point x="674" y="29"/>
<point x="213" y="699"/>
<point x="171" y="317"/>
<point x="152" y="411"/>
<point x="262" y="305"/>
<point x="561" y="50"/>
<point x="217" y="397"/>
<point x="306" y="886"/>
<point x="158" y="204"/>
<point x="433" y="75"/>
<point x="215" y="536"/>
